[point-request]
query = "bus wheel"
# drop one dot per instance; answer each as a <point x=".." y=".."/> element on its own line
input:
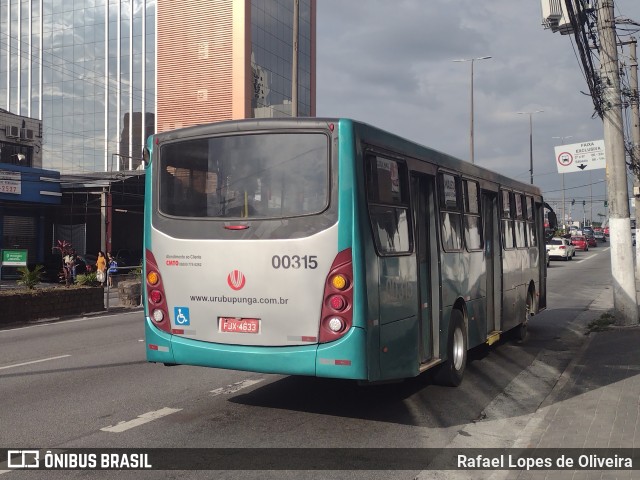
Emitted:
<point x="451" y="371"/>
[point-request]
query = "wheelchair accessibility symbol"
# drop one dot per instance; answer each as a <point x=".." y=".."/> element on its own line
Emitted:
<point x="181" y="315"/>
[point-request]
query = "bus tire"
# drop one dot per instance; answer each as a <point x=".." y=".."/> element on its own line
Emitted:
<point x="451" y="371"/>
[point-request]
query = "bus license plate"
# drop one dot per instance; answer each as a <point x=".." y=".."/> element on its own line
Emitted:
<point x="239" y="325"/>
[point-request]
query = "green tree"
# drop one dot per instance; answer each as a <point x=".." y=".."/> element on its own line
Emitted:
<point x="30" y="278"/>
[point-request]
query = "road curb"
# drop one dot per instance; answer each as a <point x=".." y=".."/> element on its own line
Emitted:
<point x="43" y="321"/>
<point x="532" y="432"/>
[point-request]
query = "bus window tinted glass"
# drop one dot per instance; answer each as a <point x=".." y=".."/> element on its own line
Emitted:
<point x="245" y="176"/>
<point x="385" y="185"/>
<point x="449" y="185"/>
<point x="451" y="234"/>
<point x="473" y="232"/>
<point x="386" y="180"/>
<point x="472" y="203"/>
<point x="390" y="229"/>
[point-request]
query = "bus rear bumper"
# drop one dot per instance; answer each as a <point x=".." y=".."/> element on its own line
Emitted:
<point x="344" y="358"/>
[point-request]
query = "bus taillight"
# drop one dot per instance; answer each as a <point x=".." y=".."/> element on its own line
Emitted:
<point x="156" y="303"/>
<point x="337" y="305"/>
<point x="153" y="277"/>
<point x="338" y="302"/>
<point x="155" y="296"/>
<point x="339" y="281"/>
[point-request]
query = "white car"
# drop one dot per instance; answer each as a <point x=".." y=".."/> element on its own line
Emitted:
<point x="561" y="248"/>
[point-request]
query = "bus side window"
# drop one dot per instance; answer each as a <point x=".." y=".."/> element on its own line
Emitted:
<point x="450" y="208"/>
<point x="388" y="206"/>
<point x="519" y="221"/>
<point x="531" y="224"/>
<point x="507" y="219"/>
<point x="472" y="220"/>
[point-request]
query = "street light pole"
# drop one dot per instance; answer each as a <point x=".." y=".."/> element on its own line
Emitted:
<point x="471" y="147"/>
<point x="530" y="140"/>
<point x="563" y="212"/>
<point x="294" y="63"/>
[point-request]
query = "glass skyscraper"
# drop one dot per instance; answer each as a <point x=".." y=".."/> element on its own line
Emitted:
<point x="271" y="60"/>
<point x="102" y="75"/>
<point x="86" y="68"/>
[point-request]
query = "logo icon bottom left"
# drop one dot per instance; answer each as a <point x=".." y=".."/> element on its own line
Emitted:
<point x="25" y="459"/>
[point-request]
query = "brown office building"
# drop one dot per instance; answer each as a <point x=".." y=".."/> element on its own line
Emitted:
<point x="232" y="59"/>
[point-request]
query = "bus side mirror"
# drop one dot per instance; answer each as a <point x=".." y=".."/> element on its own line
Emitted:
<point x="553" y="220"/>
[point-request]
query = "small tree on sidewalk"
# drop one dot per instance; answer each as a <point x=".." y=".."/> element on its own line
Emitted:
<point x="30" y="278"/>
<point x="64" y="248"/>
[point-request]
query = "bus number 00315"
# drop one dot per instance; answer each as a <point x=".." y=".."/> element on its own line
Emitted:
<point x="294" y="261"/>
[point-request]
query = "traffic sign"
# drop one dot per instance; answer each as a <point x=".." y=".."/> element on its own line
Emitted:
<point x="580" y="157"/>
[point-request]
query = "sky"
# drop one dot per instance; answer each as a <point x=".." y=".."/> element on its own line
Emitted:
<point x="390" y="63"/>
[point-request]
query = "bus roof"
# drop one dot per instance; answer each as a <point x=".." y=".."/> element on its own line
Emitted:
<point x="370" y="134"/>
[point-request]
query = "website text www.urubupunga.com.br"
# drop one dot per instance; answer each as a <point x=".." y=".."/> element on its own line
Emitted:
<point x="239" y="300"/>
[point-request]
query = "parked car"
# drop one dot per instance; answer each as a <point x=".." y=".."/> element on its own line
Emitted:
<point x="85" y="264"/>
<point x="561" y="248"/>
<point x="128" y="258"/>
<point x="580" y="243"/>
<point x="90" y="260"/>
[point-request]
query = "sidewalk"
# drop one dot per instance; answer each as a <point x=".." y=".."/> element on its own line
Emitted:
<point x="591" y="402"/>
<point x="595" y="403"/>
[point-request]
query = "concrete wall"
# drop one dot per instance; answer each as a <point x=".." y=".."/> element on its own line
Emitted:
<point x="21" y="306"/>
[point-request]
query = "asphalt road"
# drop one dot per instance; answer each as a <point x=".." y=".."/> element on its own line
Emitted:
<point x="85" y="383"/>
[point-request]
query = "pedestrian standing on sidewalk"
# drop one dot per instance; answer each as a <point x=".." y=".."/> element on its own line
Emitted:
<point x="68" y="267"/>
<point x="101" y="268"/>
<point x="74" y="265"/>
<point x="113" y="268"/>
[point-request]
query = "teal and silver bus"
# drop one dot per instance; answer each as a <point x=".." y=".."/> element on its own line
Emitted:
<point x="331" y="248"/>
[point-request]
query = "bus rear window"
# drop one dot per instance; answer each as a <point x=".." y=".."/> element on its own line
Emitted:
<point x="245" y="176"/>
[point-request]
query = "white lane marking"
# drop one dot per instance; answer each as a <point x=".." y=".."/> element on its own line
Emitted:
<point x="34" y="361"/>
<point x="586" y="258"/>
<point x="141" y="420"/>
<point x="234" y="387"/>
<point x="46" y="323"/>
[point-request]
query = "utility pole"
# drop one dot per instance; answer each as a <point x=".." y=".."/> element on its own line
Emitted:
<point x="591" y="198"/>
<point x="624" y="285"/>
<point x="294" y="63"/>
<point x="562" y="139"/>
<point x="530" y="140"/>
<point x="635" y="149"/>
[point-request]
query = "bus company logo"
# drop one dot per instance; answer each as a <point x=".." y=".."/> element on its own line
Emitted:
<point x="236" y="280"/>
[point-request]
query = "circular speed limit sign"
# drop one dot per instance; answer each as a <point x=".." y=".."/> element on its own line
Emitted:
<point x="565" y="159"/>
